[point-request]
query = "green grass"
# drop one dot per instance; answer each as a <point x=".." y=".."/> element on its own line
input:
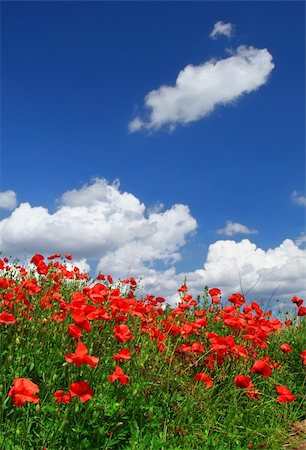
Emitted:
<point x="162" y="406"/>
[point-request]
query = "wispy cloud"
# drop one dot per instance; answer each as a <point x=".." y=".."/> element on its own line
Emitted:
<point x="232" y="228"/>
<point x="8" y="200"/>
<point x="222" y="29"/>
<point x="298" y="199"/>
<point x="200" y="89"/>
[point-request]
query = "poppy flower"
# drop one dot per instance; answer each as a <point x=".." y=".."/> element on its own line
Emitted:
<point x="262" y="368"/>
<point x="74" y="331"/>
<point x="119" y="375"/>
<point x="214" y="291"/>
<point x="68" y="256"/>
<point x="7" y="318"/>
<point x="82" y="390"/>
<point x="242" y="381"/>
<point x="81" y="357"/>
<point x="122" y="333"/>
<point x="301" y="311"/>
<point x="22" y="391"/>
<point x="297" y="301"/>
<point x="303" y="356"/>
<point x="285" y="348"/>
<point x="54" y="256"/>
<point x="61" y="397"/>
<point x="123" y="355"/>
<point x="204" y="378"/>
<point x="237" y="299"/>
<point x="284" y="394"/>
<point x="36" y="259"/>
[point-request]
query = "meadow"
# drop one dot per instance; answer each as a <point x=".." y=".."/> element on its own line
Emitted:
<point x="87" y="364"/>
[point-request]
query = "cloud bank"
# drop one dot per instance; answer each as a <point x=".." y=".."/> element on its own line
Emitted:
<point x="116" y="233"/>
<point x="200" y="89"/>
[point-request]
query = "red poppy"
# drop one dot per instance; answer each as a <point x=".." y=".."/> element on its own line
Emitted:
<point x="81" y="357"/>
<point x="62" y="397"/>
<point x="7" y="318"/>
<point x="74" y="331"/>
<point x="36" y="259"/>
<point x="297" y="301"/>
<point x="122" y="333"/>
<point x="54" y="256"/>
<point x="302" y="311"/>
<point x="285" y="348"/>
<point x="284" y="395"/>
<point x="82" y="390"/>
<point x="262" y="368"/>
<point x="22" y="391"/>
<point x="242" y="381"/>
<point x="204" y="378"/>
<point x="237" y="299"/>
<point x="119" y="375"/>
<point x="68" y="256"/>
<point x="303" y="356"/>
<point x="214" y="291"/>
<point x="123" y="355"/>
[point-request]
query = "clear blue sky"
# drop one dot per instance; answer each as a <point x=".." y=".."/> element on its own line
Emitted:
<point x="75" y="74"/>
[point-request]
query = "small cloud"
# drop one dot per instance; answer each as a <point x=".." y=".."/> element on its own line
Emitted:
<point x="232" y="228"/>
<point x="221" y="28"/>
<point x="8" y="200"/>
<point x="135" y="125"/>
<point x="200" y="89"/>
<point x="298" y="199"/>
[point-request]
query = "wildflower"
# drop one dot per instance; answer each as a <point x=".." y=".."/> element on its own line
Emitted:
<point x="262" y="368"/>
<point x="122" y="333"/>
<point x="303" y="356"/>
<point x="297" y="301"/>
<point x="284" y="394"/>
<point x="61" y="397"/>
<point x="302" y="311"/>
<point x="123" y="355"/>
<point x="81" y="357"/>
<point x="285" y="348"/>
<point x="82" y="390"/>
<point x="237" y="299"/>
<point x="74" y="331"/>
<point x="22" y="391"/>
<point x="68" y="256"/>
<point x="119" y="375"/>
<point x="7" y="318"/>
<point x="214" y="291"/>
<point x="242" y="381"/>
<point x="205" y="378"/>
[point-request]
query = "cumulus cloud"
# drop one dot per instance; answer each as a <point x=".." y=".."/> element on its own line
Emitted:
<point x="298" y="199"/>
<point x="118" y="234"/>
<point x="199" y="89"/>
<point x="221" y="28"/>
<point x="8" y="200"/>
<point x="98" y="219"/>
<point x="232" y="228"/>
<point x="241" y="267"/>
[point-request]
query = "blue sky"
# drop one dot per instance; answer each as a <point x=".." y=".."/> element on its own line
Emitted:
<point x="225" y="141"/>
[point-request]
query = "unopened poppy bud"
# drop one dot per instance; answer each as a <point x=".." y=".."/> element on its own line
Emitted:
<point x="17" y="340"/>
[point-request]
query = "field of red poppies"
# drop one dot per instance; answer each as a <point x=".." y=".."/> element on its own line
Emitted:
<point x="88" y="364"/>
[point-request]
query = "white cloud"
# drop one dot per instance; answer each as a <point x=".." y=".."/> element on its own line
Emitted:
<point x="241" y="267"/>
<point x="298" y="199"/>
<point x="98" y="220"/>
<point x="135" y="125"/>
<point x="232" y="228"/>
<point x="221" y="28"/>
<point x="199" y="89"/>
<point x="8" y="200"/>
<point x="100" y="223"/>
